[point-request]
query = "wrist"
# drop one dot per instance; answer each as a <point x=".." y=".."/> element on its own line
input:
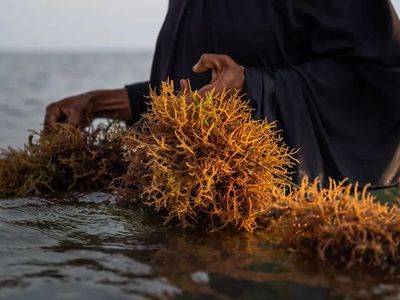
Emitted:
<point x="110" y="104"/>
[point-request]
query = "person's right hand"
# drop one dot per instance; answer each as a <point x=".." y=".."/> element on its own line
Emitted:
<point x="81" y="109"/>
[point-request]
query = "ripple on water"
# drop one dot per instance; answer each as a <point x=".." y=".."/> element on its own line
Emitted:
<point x="66" y="248"/>
<point x="85" y="243"/>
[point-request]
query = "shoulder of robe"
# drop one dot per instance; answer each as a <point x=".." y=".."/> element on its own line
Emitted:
<point x="348" y="24"/>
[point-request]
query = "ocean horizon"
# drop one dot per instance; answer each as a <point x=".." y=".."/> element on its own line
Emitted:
<point x="30" y="80"/>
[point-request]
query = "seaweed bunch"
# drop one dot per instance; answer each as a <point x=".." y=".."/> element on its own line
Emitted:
<point x="204" y="161"/>
<point x="342" y="223"/>
<point x="65" y="159"/>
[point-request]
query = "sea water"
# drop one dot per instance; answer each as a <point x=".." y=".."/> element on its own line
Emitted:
<point x="83" y="247"/>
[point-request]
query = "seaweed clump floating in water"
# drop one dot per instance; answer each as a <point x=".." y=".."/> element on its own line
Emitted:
<point x="66" y="159"/>
<point x="204" y="161"/>
<point x="341" y="223"/>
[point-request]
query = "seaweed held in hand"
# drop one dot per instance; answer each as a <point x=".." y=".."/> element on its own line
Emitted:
<point x="203" y="161"/>
<point x="341" y="223"/>
<point x="66" y="159"/>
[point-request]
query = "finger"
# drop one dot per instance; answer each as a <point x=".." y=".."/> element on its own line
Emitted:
<point x="51" y="117"/>
<point x="216" y="75"/>
<point x="206" y="89"/>
<point x="217" y="86"/>
<point x="184" y="85"/>
<point x="74" y="119"/>
<point x="207" y="62"/>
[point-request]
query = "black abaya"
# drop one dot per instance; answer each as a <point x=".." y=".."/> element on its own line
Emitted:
<point x="327" y="70"/>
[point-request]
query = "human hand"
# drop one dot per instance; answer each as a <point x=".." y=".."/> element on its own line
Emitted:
<point x="81" y="109"/>
<point x="75" y="110"/>
<point x="226" y="73"/>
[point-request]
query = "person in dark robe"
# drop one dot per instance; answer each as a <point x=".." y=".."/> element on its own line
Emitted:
<point x="328" y="71"/>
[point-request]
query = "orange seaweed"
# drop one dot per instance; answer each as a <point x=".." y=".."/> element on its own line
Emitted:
<point x="341" y="223"/>
<point x="66" y="159"/>
<point x="203" y="161"/>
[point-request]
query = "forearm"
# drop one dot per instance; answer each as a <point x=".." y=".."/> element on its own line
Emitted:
<point x="111" y="104"/>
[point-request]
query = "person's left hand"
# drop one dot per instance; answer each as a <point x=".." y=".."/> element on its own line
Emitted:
<point x="226" y="73"/>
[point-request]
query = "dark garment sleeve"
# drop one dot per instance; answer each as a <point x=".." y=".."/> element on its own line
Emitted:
<point x="137" y="94"/>
<point x="341" y="107"/>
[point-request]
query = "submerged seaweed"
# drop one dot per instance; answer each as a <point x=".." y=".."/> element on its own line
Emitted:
<point x="63" y="160"/>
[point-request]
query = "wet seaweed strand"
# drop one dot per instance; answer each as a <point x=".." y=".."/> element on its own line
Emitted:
<point x="66" y="159"/>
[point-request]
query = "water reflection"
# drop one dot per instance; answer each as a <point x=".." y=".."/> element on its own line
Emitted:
<point x="85" y="247"/>
<point x="245" y="267"/>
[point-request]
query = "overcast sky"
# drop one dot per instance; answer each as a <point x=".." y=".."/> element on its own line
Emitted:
<point x="82" y="24"/>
